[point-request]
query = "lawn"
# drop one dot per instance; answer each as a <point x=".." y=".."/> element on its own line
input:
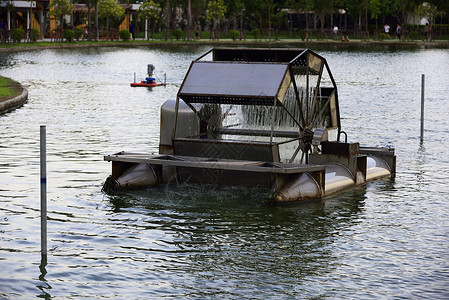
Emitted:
<point x="8" y="88"/>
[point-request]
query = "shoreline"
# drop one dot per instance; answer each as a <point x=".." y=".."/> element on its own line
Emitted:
<point x="227" y="42"/>
<point x="16" y="100"/>
<point x="20" y="98"/>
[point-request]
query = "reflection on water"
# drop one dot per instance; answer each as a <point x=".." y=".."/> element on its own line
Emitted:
<point x="386" y="239"/>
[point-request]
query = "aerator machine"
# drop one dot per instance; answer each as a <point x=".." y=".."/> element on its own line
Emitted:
<point x="266" y="118"/>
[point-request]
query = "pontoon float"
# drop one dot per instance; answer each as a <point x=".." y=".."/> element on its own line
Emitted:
<point x="267" y="118"/>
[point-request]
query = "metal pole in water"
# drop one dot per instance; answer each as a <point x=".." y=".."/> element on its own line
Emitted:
<point x="43" y="154"/>
<point x="422" y="107"/>
<point x="165" y="78"/>
<point x="134" y="77"/>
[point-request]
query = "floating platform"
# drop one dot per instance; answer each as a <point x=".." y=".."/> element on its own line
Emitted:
<point x="149" y="81"/>
<point x="258" y="118"/>
<point x="145" y="84"/>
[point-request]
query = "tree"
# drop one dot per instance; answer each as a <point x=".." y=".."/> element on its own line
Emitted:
<point x="167" y="19"/>
<point x="269" y="5"/>
<point x="59" y="8"/>
<point x="150" y="11"/>
<point x="255" y="12"/>
<point x="189" y="20"/>
<point x="90" y="4"/>
<point x="215" y="12"/>
<point x="375" y="9"/>
<point x="401" y="9"/>
<point x="428" y="11"/>
<point x="322" y="8"/>
<point x="278" y="20"/>
<point x="110" y="9"/>
<point x="378" y="9"/>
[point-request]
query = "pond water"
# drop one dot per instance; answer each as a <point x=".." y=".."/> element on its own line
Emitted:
<point x="387" y="239"/>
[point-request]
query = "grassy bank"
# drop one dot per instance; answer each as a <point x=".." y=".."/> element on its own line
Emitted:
<point x="9" y="88"/>
<point x="294" y="42"/>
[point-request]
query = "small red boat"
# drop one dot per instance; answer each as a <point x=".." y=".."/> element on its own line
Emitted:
<point x="149" y="81"/>
<point x="146" y="83"/>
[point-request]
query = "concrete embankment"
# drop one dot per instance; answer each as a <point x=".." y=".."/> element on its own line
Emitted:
<point x="14" y="101"/>
<point x="292" y="43"/>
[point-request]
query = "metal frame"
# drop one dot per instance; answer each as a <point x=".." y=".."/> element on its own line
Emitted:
<point x="298" y="61"/>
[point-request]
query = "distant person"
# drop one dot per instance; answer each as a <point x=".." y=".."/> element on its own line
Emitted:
<point x="2" y="26"/>
<point x="387" y="30"/>
<point x="131" y="30"/>
<point x="345" y="38"/>
<point x="197" y="31"/>
<point x="398" y="32"/>
<point x="2" y="30"/>
<point x="427" y="32"/>
<point x="335" y="31"/>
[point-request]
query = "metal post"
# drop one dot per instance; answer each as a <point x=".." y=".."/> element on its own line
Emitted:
<point x="422" y="107"/>
<point x="165" y="78"/>
<point x="146" y="29"/>
<point x="134" y="77"/>
<point x="43" y="154"/>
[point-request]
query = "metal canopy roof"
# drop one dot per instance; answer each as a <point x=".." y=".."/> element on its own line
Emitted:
<point x="235" y="83"/>
<point x="255" y="54"/>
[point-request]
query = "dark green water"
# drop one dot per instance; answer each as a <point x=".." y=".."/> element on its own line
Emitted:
<point x="385" y="240"/>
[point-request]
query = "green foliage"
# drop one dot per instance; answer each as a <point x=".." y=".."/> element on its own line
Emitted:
<point x="18" y="34"/>
<point x="78" y="33"/>
<point x="279" y="19"/>
<point x="234" y="34"/>
<point x="371" y="27"/>
<point x="69" y="35"/>
<point x="35" y="34"/>
<point x="216" y="10"/>
<point x="124" y="34"/>
<point x="150" y="10"/>
<point x="178" y="34"/>
<point x="110" y="9"/>
<point x="6" y="87"/>
<point x="302" y="34"/>
<point x="413" y="35"/>
<point x="382" y="36"/>
<point x="376" y="7"/>
<point x="58" y="8"/>
<point x="427" y="10"/>
<point x="255" y="33"/>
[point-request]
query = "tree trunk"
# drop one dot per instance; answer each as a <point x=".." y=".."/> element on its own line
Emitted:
<point x="269" y="22"/>
<point x="61" y="35"/>
<point x="291" y="25"/>
<point x="167" y="20"/>
<point x="96" y="22"/>
<point x="307" y="20"/>
<point x="88" y="20"/>
<point x="366" y="15"/>
<point x="189" y="20"/>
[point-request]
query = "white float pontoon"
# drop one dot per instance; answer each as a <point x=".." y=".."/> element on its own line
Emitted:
<point x="255" y="117"/>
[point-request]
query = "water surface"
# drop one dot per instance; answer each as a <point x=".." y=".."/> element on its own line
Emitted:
<point x="387" y="239"/>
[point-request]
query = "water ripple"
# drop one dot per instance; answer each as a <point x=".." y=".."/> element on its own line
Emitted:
<point x="386" y="239"/>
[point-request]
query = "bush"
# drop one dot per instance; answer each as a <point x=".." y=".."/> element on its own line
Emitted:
<point x="372" y="28"/>
<point x="413" y="35"/>
<point x="124" y="34"/>
<point x="234" y="34"/>
<point x="255" y="33"/>
<point x="18" y="34"/>
<point x="178" y="34"/>
<point x="69" y="35"/>
<point x="78" y="33"/>
<point x="382" y="36"/>
<point x="35" y="34"/>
